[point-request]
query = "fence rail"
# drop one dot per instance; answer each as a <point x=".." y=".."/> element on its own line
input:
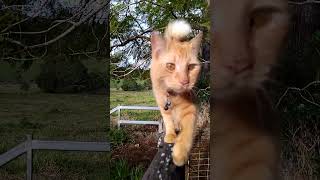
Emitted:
<point x="29" y="145"/>
<point x="137" y="122"/>
<point x="135" y="108"/>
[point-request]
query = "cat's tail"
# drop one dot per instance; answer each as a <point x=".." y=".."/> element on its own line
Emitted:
<point x="178" y="29"/>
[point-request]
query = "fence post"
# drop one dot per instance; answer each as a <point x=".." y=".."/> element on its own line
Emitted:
<point x="160" y="127"/>
<point x="29" y="157"/>
<point x="119" y="116"/>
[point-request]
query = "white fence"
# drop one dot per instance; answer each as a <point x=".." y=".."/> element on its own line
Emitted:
<point x="137" y="122"/>
<point x="29" y="145"/>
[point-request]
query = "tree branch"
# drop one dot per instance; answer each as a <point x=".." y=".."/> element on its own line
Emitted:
<point x="74" y="26"/>
<point x="132" y="38"/>
<point x="299" y="90"/>
<point x="26" y="19"/>
<point x="71" y="28"/>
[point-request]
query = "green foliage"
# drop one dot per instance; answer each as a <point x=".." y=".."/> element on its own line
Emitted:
<point x="120" y="170"/>
<point x="127" y="20"/>
<point x="195" y="11"/>
<point x="147" y="85"/>
<point x="131" y="85"/>
<point x="117" y="136"/>
<point x="96" y="81"/>
<point x="61" y="75"/>
<point x="203" y="86"/>
<point x="90" y="36"/>
<point x="116" y="83"/>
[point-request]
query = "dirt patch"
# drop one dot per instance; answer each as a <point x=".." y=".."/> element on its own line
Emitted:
<point x="141" y="148"/>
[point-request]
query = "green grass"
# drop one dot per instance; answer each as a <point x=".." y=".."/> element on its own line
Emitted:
<point x="134" y="98"/>
<point x="65" y="117"/>
<point x="118" y="97"/>
<point x="122" y="171"/>
<point x="78" y="117"/>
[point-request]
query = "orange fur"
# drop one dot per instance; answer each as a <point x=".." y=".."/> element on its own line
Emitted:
<point x="246" y="40"/>
<point x="246" y="37"/>
<point x="245" y="138"/>
<point x="171" y="51"/>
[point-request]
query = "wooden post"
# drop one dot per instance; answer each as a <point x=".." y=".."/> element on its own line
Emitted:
<point x="29" y="157"/>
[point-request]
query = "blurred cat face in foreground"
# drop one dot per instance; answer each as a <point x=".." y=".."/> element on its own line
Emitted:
<point x="246" y="40"/>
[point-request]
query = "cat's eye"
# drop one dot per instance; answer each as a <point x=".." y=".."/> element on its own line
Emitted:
<point x="259" y="20"/>
<point x="192" y="66"/>
<point x="261" y="16"/>
<point x="170" y="66"/>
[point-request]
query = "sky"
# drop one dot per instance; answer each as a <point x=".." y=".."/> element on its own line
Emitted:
<point x="72" y="5"/>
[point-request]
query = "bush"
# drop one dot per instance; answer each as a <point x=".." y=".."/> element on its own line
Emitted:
<point x="116" y="83"/>
<point x="96" y="81"/>
<point x="147" y="85"/>
<point x="131" y="85"/>
<point x="61" y="75"/>
<point x="117" y="136"/>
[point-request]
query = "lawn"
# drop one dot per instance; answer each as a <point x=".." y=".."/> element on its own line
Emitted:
<point x="118" y="97"/>
<point x="78" y="117"/>
<point x="133" y="98"/>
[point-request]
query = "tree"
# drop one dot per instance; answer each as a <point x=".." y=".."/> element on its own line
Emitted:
<point x="33" y="30"/>
<point x="132" y="21"/>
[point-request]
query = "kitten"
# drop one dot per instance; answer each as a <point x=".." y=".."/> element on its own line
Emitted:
<point x="174" y="72"/>
<point x="246" y="38"/>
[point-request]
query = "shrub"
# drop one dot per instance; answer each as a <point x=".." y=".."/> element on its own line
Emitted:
<point x="96" y="81"/>
<point x="131" y="85"/>
<point x="116" y="83"/>
<point x="61" y="75"/>
<point x="147" y="84"/>
<point x="118" y="136"/>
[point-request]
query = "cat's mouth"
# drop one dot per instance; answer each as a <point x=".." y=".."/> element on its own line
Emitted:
<point x="230" y="85"/>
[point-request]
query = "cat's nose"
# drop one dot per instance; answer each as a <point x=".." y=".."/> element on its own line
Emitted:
<point x="184" y="82"/>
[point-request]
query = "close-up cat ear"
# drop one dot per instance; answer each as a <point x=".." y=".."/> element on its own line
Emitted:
<point x="157" y="43"/>
<point x="196" y="41"/>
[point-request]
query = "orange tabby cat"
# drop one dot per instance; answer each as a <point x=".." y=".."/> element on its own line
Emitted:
<point x="247" y="36"/>
<point x="174" y="71"/>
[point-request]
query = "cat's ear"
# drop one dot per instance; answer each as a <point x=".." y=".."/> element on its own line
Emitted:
<point x="157" y="43"/>
<point x="196" y="42"/>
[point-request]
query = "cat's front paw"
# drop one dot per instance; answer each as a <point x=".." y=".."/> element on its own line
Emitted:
<point x="170" y="138"/>
<point x="179" y="154"/>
